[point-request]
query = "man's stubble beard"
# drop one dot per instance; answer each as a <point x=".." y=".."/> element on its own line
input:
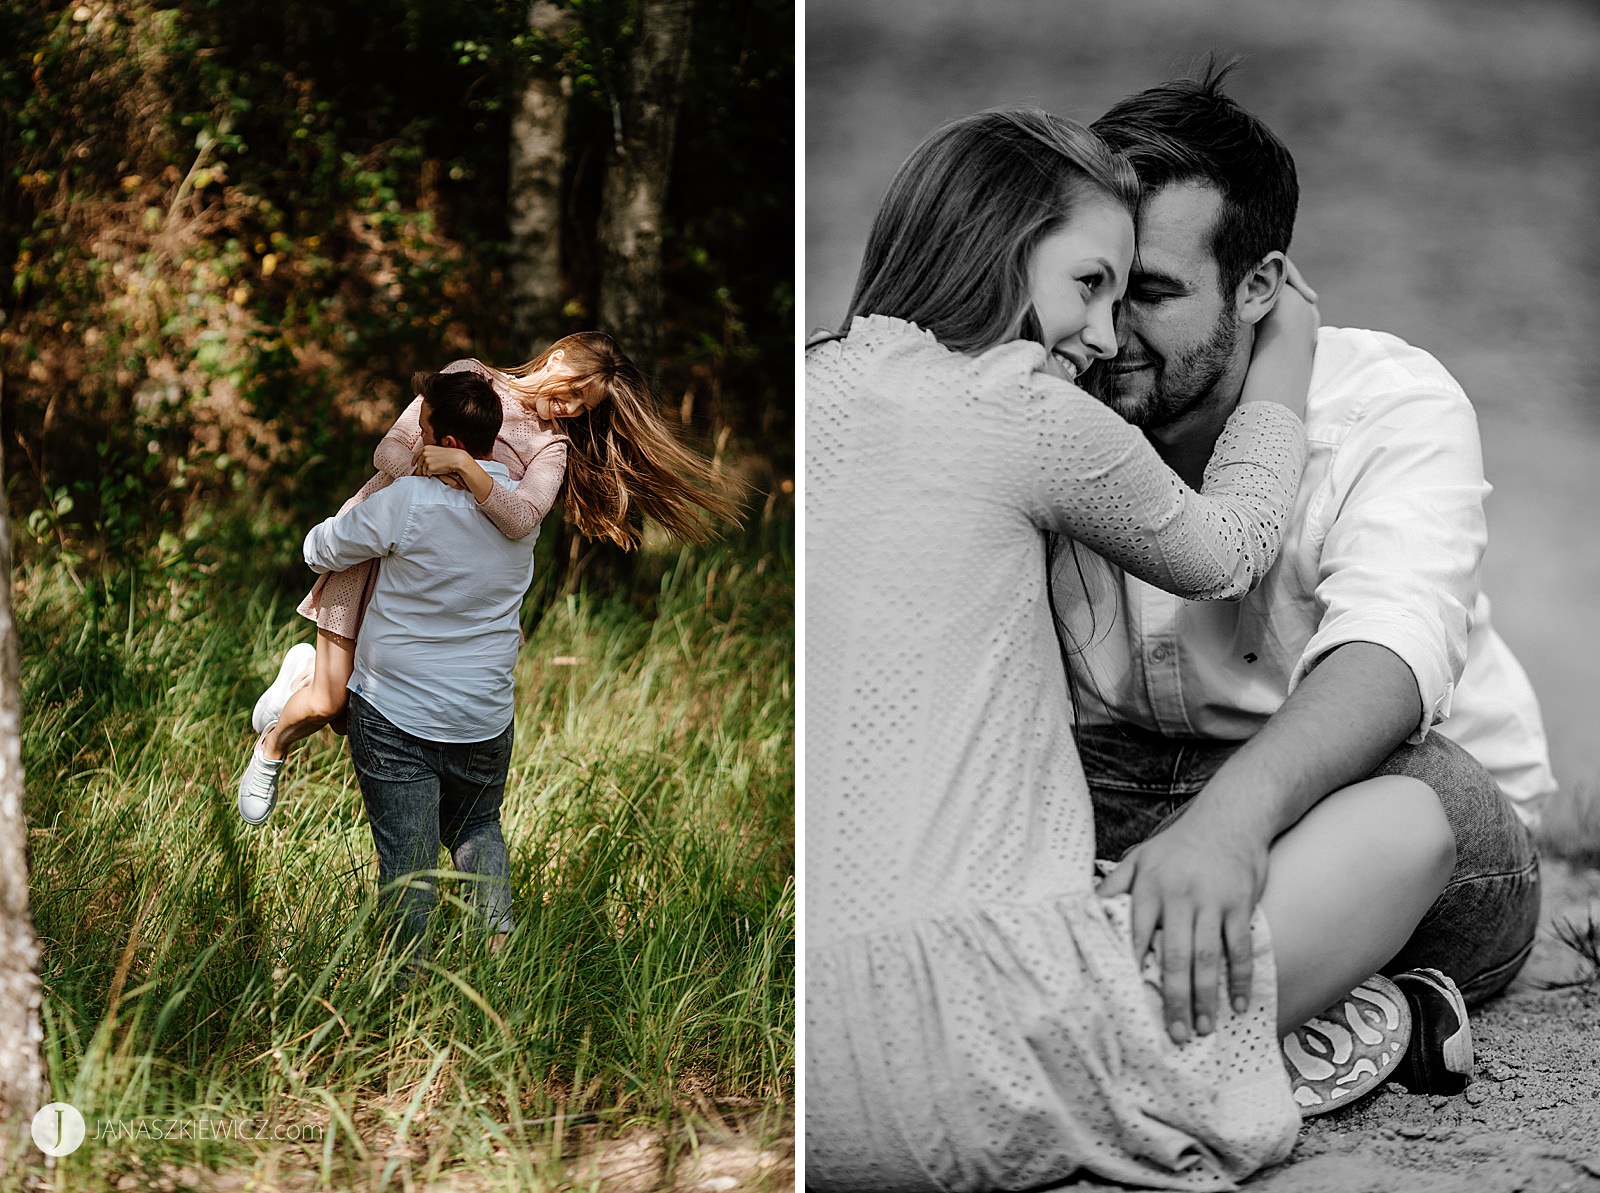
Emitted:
<point x="1179" y="386"/>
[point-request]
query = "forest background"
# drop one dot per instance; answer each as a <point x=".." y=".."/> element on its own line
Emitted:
<point x="229" y="234"/>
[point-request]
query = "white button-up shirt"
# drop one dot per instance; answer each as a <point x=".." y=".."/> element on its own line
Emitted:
<point x="1384" y="546"/>
<point x="439" y="641"/>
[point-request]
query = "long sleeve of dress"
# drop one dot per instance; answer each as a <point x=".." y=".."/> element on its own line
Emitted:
<point x="392" y="457"/>
<point x="1098" y="480"/>
<point x="517" y="512"/>
<point x="994" y="428"/>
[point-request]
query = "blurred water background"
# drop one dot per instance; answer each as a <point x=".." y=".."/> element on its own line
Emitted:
<point x="1449" y="155"/>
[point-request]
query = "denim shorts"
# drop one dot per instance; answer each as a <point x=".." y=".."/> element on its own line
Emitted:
<point x="1479" y="931"/>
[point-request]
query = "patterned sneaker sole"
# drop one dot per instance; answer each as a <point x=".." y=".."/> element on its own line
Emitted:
<point x="1350" y="1049"/>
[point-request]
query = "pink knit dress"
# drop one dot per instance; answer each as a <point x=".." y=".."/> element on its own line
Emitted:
<point x="533" y="450"/>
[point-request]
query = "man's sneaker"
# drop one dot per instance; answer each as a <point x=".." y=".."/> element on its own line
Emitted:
<point x="258" y="789"/>
<point x="270" y="706"/>
<point x="1439" y="1060"/>
<point x="1350" y="1049"/>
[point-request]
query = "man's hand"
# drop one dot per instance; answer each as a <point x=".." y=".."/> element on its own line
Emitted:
<point x="1199" y="881"/>
<point x="1200" y="878"/>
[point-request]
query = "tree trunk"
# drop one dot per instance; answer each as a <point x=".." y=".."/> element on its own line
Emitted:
<point x="635" y="189"/>
<point x="22" y="1082"/>
<point x="538" y="161"/>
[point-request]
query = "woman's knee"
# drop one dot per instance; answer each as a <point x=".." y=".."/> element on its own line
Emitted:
<point x="1413" y="824"/>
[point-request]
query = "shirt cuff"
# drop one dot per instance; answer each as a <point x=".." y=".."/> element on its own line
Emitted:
<point x="1408" y="639"/>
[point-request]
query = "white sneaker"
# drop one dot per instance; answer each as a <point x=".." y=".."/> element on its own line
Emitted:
<point x="258" y="789"/>
<point x="270" y="706"/>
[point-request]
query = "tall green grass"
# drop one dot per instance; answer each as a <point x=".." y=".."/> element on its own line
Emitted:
<point x="200" y="973"/>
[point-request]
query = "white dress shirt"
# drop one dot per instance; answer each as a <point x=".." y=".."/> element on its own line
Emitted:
<point x="439" y="642"/>
<point x="1384" y="546"/>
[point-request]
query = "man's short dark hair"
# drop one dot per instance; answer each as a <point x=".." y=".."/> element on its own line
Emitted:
<point x="1187" y="130"/>
<point x="462" y="404"/>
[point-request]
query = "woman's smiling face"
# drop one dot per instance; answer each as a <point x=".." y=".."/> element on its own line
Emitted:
<point x="557" y="398"/>
<point x="1076" y="278"/>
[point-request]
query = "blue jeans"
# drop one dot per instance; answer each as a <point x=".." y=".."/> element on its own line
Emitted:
<point x="1479" y="931"/>
<point x="420" y="793"/>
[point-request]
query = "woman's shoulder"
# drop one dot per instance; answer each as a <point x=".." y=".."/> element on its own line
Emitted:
<point x="901" y="358"/>
<point x="878" y="334"/>
<point x="498" y="379"/>
<point x="1009" y="380"/>
<point x="885" y="335"/>
<point x="523" y="430"/>
<point x="882" y="344"/>
<point x="1017" y="363"/>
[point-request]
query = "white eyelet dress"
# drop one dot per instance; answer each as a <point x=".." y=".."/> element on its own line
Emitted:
<point x="974" y="1018"/>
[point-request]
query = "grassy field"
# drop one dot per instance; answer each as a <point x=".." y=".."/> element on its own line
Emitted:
<point x="219" y="999"/>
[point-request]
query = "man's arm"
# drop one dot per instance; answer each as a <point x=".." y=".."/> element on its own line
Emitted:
<point x="1200" y="878"/>
<point x="368" y="530"/>
<point x="1398" y="575"/>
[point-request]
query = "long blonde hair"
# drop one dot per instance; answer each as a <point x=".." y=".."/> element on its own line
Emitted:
<point x="623" y="459"/>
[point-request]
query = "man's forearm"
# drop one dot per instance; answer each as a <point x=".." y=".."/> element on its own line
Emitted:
<point x="1345" y="717"/>
<point x="340" y="543"/>
<point x="319" y="549"/>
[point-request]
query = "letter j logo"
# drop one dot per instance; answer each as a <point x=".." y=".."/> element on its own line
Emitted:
<point x="59" y="1129"/>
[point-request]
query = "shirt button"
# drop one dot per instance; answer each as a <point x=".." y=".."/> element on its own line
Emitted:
<point x="1158" y="654"/>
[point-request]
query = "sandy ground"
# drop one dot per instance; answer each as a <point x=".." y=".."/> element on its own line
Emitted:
<point x="1450" y="169"/>
<point x="1529" y="1121"/>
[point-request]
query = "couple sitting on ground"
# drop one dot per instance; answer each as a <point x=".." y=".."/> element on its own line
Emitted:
<point x="1342" y="752"/>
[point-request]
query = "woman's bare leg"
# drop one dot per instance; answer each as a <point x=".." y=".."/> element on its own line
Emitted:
<point x="1347" y="886"/>
<point x="317" y="702"/>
